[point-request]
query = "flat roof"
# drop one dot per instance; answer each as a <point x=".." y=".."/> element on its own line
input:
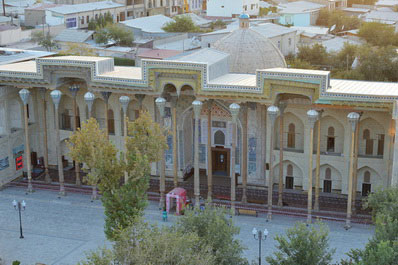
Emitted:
<point x="152" y="24"/>
<point x="235" y="80"/>
<point x="158" y="54"/>
<point x="363" y="87"/>
<point x="78" y="8"/>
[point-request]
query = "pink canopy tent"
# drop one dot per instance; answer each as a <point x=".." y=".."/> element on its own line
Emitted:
<point x="180" y="195"/>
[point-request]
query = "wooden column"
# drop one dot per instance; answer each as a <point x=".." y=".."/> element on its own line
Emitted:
<point x="47" y="177"/>
<point x="244" y="152"/>
<point x="59" y="155"/>
<point x="353" y="119"/>
<point x="105" y="96"/>
<point x="272" y="113"/>
<point x="209" y="154"/>
<point x="318" y="163"/>
<point x="282" y="106"/>
<point x="355" y="168"/>
<point x="197" y="105"/>
<point x="234" y="109"/>
<point x="312" y="116"/>
<point x="175" y="154"/>
<point x="74" y="89"/>
<point x="27" y="149"/>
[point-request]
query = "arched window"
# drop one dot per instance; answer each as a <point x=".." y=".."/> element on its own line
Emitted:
<point x="366" y="177"/>
<point x="330" y="140"/>
<point x="111" y="122"/>
<point x="291" y="136"/>
<point x="219" y="138"/>
<point x="289" y="182"/>
<point x="289" y="170"/>
<point x="328" y="174"/>
<point x="366" y="186"/>
<point x="368" y="142"/>
<point x="327" y="183"/>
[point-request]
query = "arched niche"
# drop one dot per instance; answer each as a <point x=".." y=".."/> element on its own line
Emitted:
<point x="371" y="138"/>
<point x="332" y="136"/>
<point x="290" y="170"/>
<point x="293" y="132"/>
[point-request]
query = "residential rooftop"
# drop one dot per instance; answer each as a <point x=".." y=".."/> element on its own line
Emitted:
<point x="86" y="7"/>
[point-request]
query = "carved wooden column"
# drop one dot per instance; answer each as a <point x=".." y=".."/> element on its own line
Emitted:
<point x="197" y="106"/>
<point x="25" y="94"/>
<point x="124" y="101"/>
<point x="47" y="177"/>
<point x="234" y="109"/>
<point x="355" y="166"/>
<point x="312" y="117"/>
<point x="272" y="113"/>
<point x="394" y="174"/>
<point x="282" y="106"/>
<point x="244" y="152"/>
<point x="73" y="90"/>
<point x="209" y="154"/>
<point x="353" y="118"/>
<point x="175" y="154"/>
<point x="105" y="96"/>
<point x="161" y="103"/>
<point x="318" y="163"/>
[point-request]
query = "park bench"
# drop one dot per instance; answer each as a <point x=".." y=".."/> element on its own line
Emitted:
<point x="247" y="212"/>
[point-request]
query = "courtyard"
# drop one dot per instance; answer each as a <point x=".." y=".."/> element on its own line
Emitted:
<point x="60" y="231"/>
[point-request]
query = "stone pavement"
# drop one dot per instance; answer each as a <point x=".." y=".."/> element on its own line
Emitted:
<point x="60" y="231"/>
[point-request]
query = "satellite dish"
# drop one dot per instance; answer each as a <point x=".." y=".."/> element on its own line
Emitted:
<point x="332" y="28"/>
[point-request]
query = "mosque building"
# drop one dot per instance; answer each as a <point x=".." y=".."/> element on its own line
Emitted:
<point x="234" y="111"/>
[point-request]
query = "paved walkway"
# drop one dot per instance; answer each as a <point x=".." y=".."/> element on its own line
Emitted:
<point x="60" y="231"/>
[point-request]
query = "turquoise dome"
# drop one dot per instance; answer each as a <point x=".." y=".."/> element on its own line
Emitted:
<point x="244" y="16"/>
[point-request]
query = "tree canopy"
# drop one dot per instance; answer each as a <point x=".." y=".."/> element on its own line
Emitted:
<point x="44" y="39"/>
<point x="337" y="18"/>
<point x="378" y="34"/>
<point x="303" y="246"/>
<point x="181" y="23"/>
<point x="116" y="33"/>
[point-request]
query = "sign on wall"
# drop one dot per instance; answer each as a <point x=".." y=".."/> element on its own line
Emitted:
<point x="18" y="156"/>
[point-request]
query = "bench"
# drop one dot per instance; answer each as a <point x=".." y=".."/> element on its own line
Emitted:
<point x="247" y="212"/>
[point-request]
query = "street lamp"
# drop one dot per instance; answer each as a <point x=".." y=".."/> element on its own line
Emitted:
<point x="260" y="236"/>
<point x="197" y="107"/>
<point x="272" y="113"/>
<point x="353" y="119"/>
<point x="124" y="101"/>
<point x="161" y="103"/>
<point x="89" y="98"/>
<point x="234" y="109"/>
<point x="312" y="117"/>
<point x="19" y="206"/>
<point x="56" y="97"/>
<point x="25" y="94"/>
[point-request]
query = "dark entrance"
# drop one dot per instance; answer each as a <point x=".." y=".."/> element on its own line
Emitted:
<point x="220" y="157"/>
<point x="327" y="186"/>
<point x="289" y="182"/>
<point x="366" y="188"/>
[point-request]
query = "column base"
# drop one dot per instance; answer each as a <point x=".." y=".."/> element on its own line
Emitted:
<point x="309" y="219"/>
<point x="47" y="177"/>
<point x="244" y="198"/>
<point x="30" y="188"/>
<point x="316" y="206"/>
<point x="347" y="225"/>
<point x="269" y="215"/>
<point x="162" y="201"/>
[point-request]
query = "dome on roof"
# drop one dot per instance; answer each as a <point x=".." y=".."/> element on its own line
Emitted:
<point x="244" y="16"/>
<point x="249" y="51"/>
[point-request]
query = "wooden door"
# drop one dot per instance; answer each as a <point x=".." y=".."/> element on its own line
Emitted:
<point x="327" y="186"/>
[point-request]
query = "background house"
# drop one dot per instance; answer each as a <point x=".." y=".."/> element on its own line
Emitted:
<point x="300" y="13"/>
<point x="228" y="8"/>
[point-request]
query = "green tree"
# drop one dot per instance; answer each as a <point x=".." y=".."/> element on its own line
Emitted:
<point x="181" y="24"/>
<point x="216" y="230"/>
<point x="315" y="54"/>
<point x="101" y="21"/>
<point x="78" y="49"/>
<point x="116" y="33"/>
<point x="338" y="18"/>
<point x="378" y="34"/>
<point x="44" y="39"/>
<point x="147" y="245"/>
<point x="303" y="246"/>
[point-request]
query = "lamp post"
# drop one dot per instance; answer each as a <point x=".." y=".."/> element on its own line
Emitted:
<point x="161" y="104"/>
<point x="234" y="109"/>
<point x="25" y="94"/>
<point x="260" y="236"/>
<point x="312" y="117"/>
<point x="19" y="206"/>
<point x="56" y="97"/>
<point x="272" y="113"/>
<point x="353" y="118"/>
<point x="74" y="89"/>
<point x="124" y="101"/>
<point x="197" y="107"/>
<point x="89" y="99"/>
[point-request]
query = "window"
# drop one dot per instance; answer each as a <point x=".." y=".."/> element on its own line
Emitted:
<point x="290" y="41"/>
<point x="288" y="19"/>
<point x="327" y="183"/>
<point x="161" y="2"/>
<point x="366" y="186"/>
<point x="291" y="136"/>
<point x="71" y="22"/>
<point x="330" y="140"/>
<point x="289" y="183"/>
<point x="111" y="122"/>
<point x="279" y="44"/>
<point x="380" y="145"/>
<point x="82" y="20"/>
<point x="88" y="19"/>
<point x="368" y="142"/>
<point x="219" y="138"/>
<point x="208" y="45"/>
